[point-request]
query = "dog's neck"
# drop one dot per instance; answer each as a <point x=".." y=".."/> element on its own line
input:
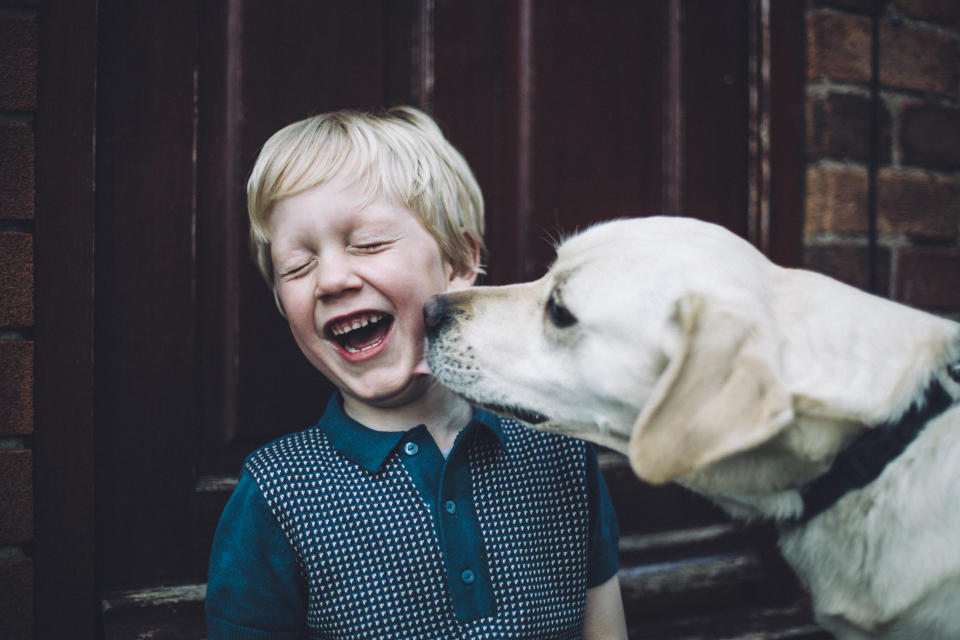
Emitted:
<point x="849" y="367"/>
<point x="857" y="357"/>
<point x="857" y="465"/>
<point x="865" y="459"/>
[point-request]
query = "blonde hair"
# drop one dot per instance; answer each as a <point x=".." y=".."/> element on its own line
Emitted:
<point x="399" y="153"/>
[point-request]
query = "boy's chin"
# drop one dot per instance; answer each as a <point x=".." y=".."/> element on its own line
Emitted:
<point x="390" y="396"/>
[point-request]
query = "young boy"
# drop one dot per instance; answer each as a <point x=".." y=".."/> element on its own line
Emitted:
<point x="404" y="513"/>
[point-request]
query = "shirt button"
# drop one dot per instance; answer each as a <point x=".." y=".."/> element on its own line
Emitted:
<point x="411" y="448"/>
<point x="467" y="576"/>
<point x="450" y="506"/>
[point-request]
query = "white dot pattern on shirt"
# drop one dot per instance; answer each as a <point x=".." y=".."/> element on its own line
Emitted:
<point x="371" y="557"/>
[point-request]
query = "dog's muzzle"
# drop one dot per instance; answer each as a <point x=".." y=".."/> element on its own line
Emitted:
<point x="439" y="312"/>
<point x="436" y="314"/>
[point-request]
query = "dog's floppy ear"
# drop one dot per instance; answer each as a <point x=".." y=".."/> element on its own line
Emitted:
<point x="719" y="394"/>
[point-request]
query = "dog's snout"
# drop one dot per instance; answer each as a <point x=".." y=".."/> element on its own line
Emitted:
<point x="436" y="313"/>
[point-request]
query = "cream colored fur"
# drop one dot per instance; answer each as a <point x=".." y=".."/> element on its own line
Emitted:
<point x="708" y="365"/>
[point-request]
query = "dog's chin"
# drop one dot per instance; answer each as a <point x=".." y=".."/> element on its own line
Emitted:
<point x="458" y="386"/>
<point x="511" y="411"/>
<point x="519" y="413"/>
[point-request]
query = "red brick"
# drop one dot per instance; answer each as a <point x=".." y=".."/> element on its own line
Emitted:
<point x="16" y="499"/>
<point x="918" y="60"/>
<point x="16" y="279"/>
<point x="850" y="264"/>
<point x="16" y="387"/>
<point x="16" y="171"/>
<point x="838" y="47"/>
<point x="930" y="137"/>
<point x="944" y="12"/>
<point x="838" y="126"/>
<point x="18" y="62"/>
<point x="836" y="200"/>
<point x="16" y="605"/>
<point x="918" y="205"/>
<point x="927" y="277"/>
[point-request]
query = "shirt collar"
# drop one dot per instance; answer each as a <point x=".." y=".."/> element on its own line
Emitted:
<point x="492" y="422"/>
<point x="370" y="448"/>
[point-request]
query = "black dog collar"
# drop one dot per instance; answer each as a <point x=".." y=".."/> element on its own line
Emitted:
<point x="865" y="459"/>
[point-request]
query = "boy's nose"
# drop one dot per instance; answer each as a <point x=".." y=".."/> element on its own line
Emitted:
<point x="435" y="314"/>
<point x="335" y="276"/>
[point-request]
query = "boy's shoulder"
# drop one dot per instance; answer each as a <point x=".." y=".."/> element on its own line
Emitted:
<point x="287" y="448"/>
<point x="296" y="445"/>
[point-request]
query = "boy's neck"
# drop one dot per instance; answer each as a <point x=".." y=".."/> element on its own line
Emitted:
<point x="444" y="413"/>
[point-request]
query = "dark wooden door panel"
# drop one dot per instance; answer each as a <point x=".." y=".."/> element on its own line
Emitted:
<point x="64" y="467"/>
<point x="144" y="307"/>
<point x="597" y="117"/>
<point x="714" y="95"/>
<point x="472" y="86"/>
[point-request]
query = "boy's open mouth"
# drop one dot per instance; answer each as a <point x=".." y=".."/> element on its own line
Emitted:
<point x="360" y="332"/>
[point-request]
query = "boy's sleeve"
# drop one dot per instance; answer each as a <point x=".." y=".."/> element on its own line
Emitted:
<point x="602" y="562"/>
<point x="254" y="586"/>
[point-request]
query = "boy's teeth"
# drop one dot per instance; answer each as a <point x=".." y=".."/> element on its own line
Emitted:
<point x="356" y="323"/>
<point x="369" y="346"/>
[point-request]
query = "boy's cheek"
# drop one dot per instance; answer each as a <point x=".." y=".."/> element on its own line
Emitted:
<point x="421" y="368"/>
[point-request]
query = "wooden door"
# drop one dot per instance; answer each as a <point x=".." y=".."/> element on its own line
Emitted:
<point x="569" y="112"/>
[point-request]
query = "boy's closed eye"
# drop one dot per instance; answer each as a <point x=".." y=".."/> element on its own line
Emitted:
<point x="361" y="247"/>
<point x="297" y="269"/>
<point x="373" y="246"/>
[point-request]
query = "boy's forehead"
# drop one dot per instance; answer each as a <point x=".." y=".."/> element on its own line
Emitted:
<point x="347" y="200"/>
<point x="342" y="181"/>
<point x="309" y="173"/>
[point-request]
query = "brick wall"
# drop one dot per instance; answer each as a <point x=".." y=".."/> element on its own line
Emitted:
<point x="18" y="103"/>
<point x="918" y="147"/>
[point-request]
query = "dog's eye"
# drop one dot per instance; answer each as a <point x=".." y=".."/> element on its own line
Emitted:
<point x="559" y="315"/>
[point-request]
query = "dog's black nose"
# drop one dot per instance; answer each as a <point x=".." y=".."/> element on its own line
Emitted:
<point x="435" y="314"/>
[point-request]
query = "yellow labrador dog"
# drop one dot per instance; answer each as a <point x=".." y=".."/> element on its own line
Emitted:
<point x="778" y="393"/>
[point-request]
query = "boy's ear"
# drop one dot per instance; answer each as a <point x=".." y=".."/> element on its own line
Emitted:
<point x="466" y="276"/>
